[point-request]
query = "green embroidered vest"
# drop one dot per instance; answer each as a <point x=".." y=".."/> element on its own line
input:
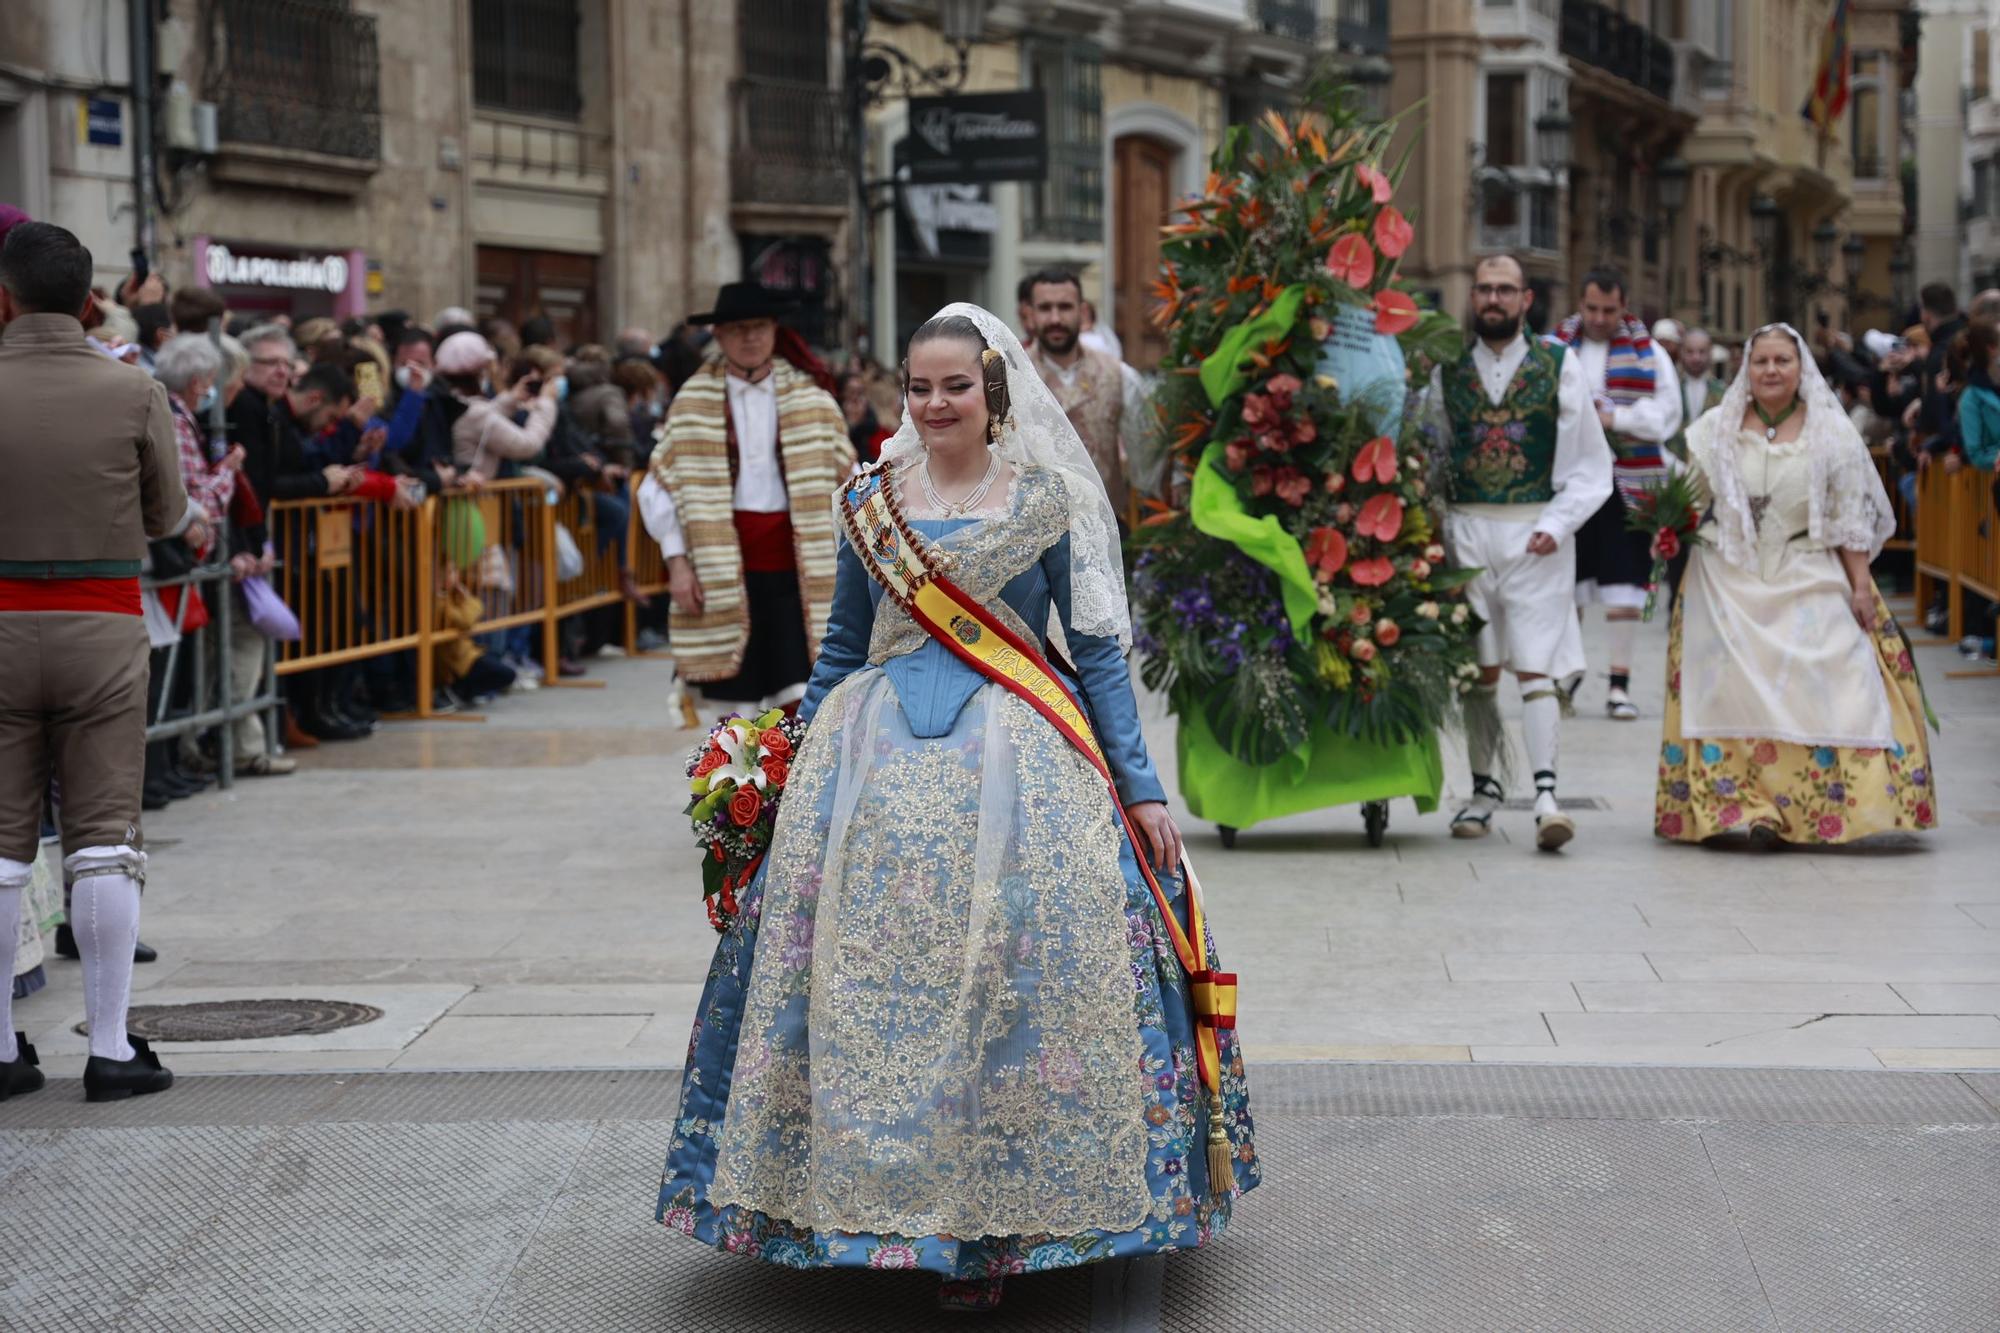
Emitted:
<point x="1504" y="453"/>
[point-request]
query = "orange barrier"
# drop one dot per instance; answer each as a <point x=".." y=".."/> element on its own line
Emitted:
<point x="365" y="579"/>
<point x="1957" y="542"/>
<point x="348" y="569"/>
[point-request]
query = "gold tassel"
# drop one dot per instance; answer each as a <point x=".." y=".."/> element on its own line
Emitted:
<point x="1221" y="1157"/>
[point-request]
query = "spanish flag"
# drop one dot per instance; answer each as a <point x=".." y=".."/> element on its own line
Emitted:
<point x="1829" y="92"/>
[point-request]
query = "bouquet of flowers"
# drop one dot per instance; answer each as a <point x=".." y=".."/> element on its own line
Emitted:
<point x="737" y="777"/>
<point x="1668" y="513"/>
<point x="1323" y="600"/>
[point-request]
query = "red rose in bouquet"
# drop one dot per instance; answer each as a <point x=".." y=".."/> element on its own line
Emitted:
<point x="745" y="806"/>
<point x="1666" y="545"/>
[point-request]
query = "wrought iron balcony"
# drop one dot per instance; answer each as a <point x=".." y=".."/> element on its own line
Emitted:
<point x="1296" y="19"/>
<point x="790" y="144"/>
<point x="299" y="75"/>
<point x="1362" y="25"/>
<point x="1598" y="35"/>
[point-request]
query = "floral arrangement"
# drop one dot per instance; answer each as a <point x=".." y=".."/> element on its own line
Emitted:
<point x="1333" y="606"/>
<point x="737" y="777"/>
<point x="1668" y="513"/>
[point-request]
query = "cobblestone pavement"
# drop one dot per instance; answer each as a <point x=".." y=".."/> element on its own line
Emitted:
<point x="1425" y="1197"/>
<point x="519" y="893"/>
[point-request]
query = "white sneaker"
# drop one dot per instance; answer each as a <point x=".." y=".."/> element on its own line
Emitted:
<point x="1553" y="828"/>
<point x="1619" y="705"/>
<point x="1475" y="818"/>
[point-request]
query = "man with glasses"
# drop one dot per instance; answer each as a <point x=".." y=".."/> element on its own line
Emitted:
<point x="1528" y="465"/>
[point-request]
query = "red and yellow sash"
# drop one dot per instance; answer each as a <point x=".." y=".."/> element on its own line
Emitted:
<point x="897" y="558"/>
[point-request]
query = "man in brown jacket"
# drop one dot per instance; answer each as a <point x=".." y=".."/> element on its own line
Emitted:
<point x="87" y="447"/>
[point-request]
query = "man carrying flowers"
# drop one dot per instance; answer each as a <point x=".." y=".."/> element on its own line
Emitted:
<point x="1529" y="464"/>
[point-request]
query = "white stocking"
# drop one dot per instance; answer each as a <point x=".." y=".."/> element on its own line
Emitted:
<point x="1623" y="634"/>
<point x="104" y="914"/>
<point x="13" y="879"/>
<point x="1541" y="722"/>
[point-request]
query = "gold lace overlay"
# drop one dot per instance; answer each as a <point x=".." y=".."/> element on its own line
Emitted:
<point x="983" y="558"/>
<point x="939" y="1034"/>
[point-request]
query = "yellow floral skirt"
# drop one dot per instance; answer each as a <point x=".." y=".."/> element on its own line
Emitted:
<point x="1802" y="793"/>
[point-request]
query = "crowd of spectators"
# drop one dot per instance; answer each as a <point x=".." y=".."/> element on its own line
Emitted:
<point x="386" y="411"/>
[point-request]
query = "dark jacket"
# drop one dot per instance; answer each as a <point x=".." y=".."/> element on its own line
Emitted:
<point x="1938" y="417"/>
<point x="597" y="410"/>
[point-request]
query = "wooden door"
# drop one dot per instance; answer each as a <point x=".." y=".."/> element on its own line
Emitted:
<point x="1144" y="184"/>
<point x="519" y="284"/>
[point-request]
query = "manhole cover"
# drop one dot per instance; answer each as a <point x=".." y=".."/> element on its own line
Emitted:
<point x="242" y="1020"/>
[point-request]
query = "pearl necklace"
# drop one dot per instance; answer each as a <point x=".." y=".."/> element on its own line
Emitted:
<point x="971" y="501"/>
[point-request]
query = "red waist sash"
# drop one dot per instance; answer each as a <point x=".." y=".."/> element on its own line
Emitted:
<point x="766" y="540"/>
<point x="107" y="596"/>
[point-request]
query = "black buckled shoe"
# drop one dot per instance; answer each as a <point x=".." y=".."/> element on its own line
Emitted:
<point x="21" y="1075"/>
<point x="113" y="1080"/>
<point x="66" y="947"/>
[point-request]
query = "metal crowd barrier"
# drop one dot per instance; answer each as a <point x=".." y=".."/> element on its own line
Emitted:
<point x="1958" y="545"/>
<point x="214" y="706"/>
<point x="365" y="579"/>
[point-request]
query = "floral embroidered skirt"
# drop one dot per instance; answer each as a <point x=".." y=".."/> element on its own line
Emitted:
<point x="1803" y="793"/>
<point x="947" y="1029"/>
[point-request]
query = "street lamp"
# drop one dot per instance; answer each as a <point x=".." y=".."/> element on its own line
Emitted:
<point x="1672" y="176"/>
<point x="1764" y="223"/>
<point x="1552" y="129"/>
<point x="1853" y="250"/>
<point x="1823" y="238"/>
<point x="961" y="22"/>
<point x="1671" y="179"/>
<point x="1899" y="280"/>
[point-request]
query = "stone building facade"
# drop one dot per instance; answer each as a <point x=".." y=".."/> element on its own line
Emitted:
<point x="596" y="160"/>
<point x="1664" y="137"/>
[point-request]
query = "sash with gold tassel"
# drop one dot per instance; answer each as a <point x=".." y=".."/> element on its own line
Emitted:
<point x="896" y="557"/>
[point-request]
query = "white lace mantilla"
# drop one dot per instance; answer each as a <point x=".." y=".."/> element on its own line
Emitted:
<point x="1038" y="433"/>
<point x="1847" y="506"/>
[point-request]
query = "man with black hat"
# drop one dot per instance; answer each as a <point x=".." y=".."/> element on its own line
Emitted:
<point x="738" y="497"/>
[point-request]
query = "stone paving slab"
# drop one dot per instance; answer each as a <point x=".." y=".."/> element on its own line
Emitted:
<point x="1424" y="1197"/>
<point x="533" y="865"/>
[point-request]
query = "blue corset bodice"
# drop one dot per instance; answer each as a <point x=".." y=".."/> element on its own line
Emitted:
<point x="933" y="685"/>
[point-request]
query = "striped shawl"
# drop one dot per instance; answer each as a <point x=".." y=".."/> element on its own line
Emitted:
<point x="692" y="462"/>
<point x="1637" y="465"/>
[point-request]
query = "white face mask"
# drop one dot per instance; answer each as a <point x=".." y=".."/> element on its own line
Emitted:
<point x="402" y="377"/>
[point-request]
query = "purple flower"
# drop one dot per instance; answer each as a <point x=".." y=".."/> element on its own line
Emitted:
<point x="1891" y="789"/>
<point x="1725" y="786"/>
<point x="1679" y="791"/>
<point x="1920" y="777"/>
<point x="1784" y="802"/>
<point x="1837" y="791"/>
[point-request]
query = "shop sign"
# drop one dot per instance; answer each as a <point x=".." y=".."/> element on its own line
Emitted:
<point x="979" y="137"/>
<point x="103" y="121"/>
<point x="307" y="273"/>
<point x="948" y="208"/>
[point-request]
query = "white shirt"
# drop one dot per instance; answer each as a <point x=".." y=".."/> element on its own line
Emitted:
<point x="1654" y="419"/>
<point x="760" y="482"/>
<point x="1581" y="473"/>
<point x="1104" y="340"/>
<point x="1694" y="399"/>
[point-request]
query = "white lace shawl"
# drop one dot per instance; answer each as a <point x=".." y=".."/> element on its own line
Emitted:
<point x="1847" y="507"/>
<point x="1038" y="433"/>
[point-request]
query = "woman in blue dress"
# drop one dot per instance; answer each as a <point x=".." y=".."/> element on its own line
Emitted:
<point x="948" y="1029"/>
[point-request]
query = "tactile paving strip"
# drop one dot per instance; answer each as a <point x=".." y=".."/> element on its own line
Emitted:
<point x="1381" y="1224"/>
<point x="1436" y="1198"/>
